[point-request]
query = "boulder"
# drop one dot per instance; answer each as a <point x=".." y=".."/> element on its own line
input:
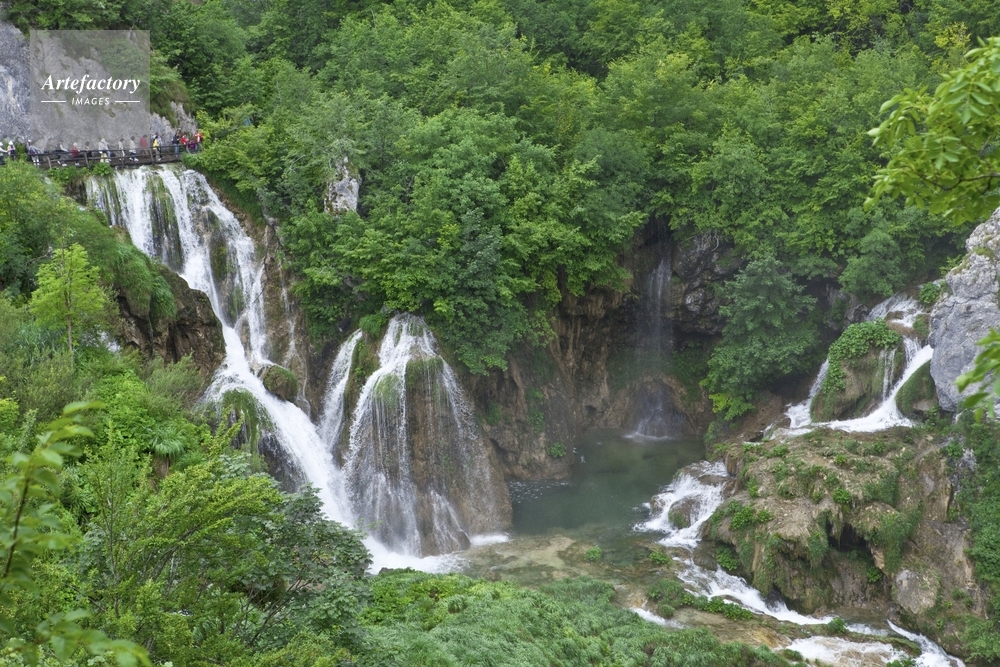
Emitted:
<point x="279" y="381"/>
<point x="966" y="312"/>
<point x="915" y="592"/>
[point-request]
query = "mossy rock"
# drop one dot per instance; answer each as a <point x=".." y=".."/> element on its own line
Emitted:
<point x="280" y="381"/>
<point x="918" y="395"/>
<point x="864" y="378"/>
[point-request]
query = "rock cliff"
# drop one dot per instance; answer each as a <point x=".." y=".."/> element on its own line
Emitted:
<point x="966" y="312"/>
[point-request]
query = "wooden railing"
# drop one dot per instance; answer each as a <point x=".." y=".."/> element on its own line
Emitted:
<point x="115" y="158"/>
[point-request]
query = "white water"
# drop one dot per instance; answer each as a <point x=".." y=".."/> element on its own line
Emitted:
<point x="931" y="655"/>
<point x="846" y="653"/>
<point x="434" y="503"/>
<point x="127" y="202"/>
<point x="656" y="421"/>
<point x="703" y="499"/>
<point x="902" y="310"/>
<point x="331" y="422"/>
<point x="699" y="489"/>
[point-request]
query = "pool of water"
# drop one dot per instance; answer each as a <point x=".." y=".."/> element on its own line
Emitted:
<point x="613" y="475"/>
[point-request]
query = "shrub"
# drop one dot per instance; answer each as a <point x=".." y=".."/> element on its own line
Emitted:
<point x="930" y="293"/>
<point x="837" y="626"/>
<point x="727" y="559"/>
<point x="855" y="342"/>
<point x="842" y="497"/>
<point x="556" y="450"/>
<point x="593" y="554"/>
<point x="659" y="557"/>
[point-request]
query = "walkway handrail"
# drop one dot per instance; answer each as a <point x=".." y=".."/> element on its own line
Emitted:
<point x="113" y="157"/>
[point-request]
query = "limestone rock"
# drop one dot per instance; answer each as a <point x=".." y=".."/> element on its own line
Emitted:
<point x="914" y="591"/>
<point x="966" y="312"/>
<point x="14" y="90"/>
<point x="195" y="330"/>
<point x="279" y="381"/>
<point x="701" y="266"/>
<point x="342" y="194"/>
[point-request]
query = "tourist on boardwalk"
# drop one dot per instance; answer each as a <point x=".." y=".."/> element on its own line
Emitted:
<point x="11" y="151"/>
<point x="197" y="140"/>
<point x="131" y="149"/>
<point x="177" y="142"/>
<point x="184" y="143"/>
<point x="33" y="152"/>
<point x="144" y="145"/>
<point x="156" y="147"/>
<point x="102" y="146"/>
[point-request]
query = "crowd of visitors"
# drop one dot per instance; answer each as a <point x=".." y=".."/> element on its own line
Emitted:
<point x="126" y="150"/>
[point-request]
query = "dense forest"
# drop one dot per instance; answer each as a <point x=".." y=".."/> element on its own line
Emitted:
<point x="508" y="153"/>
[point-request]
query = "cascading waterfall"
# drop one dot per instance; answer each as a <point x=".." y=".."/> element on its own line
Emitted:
<point x="656" y="419"/>
<point x="415" y="471"/>
<point x="699" y="490"/>
<point x="903" y="311"/>
<point x="418" y="472"/>
<point x="217" y="257"/>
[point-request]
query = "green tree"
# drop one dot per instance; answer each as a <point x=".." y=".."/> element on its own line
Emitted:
<point x="69" y="295"/>
<point x="30" y="530"/>
<point x="944" y="144"/>
<point x="767" y="335"/>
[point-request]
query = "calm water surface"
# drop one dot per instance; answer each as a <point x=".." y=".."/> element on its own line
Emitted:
<point x="613" y="475"/>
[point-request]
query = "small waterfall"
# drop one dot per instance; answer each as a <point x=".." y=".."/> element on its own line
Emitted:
<point x="331" y="422"/>
<point x="656" y="419"/>
<point x="700" y="489"/>
<point x="898" y="309"/>
<point x="216" y="256"/>
<point x="418" y="472"/>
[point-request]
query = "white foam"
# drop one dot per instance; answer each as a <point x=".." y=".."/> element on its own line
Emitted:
<point x="931" y="655"/>
<point x="844" y="652"/>
<point x="486" y="540"/>
<point x="654" y="618"/>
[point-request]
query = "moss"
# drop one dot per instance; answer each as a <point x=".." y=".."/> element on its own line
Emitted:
<point x="918" y="394"/>
<point x="280" y="381"/>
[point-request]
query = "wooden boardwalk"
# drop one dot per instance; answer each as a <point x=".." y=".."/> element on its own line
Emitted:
<point x="114" y="158"/>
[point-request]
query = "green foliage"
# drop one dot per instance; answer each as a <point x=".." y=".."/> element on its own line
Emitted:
<point x="855" y="342"/>
<point x="556" y="450"/>
<point x="659" y="558"/>
<point x="930" y="293"/>
<point x="417" y="618"/>
<point x="944" y="145"/>
<point x="744" y="516"/>
<point x="30" y="531"/>
<point x="874" y="575"/>
<point x="725" y="557"/>
<point x="889" y="534"/>
<point x="837" y="626"/>
<point x="69" y="296"/>
<point x="593" y="554"/>
<point x="842" y="496"/>
<point x="765" y="337"/>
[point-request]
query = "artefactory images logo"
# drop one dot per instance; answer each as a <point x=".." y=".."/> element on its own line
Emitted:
<point x="89" y="89"/>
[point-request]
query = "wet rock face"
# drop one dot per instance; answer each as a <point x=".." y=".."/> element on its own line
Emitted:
<point x="966" y="312"/>
<point x="279" y="381"/>
<point x="700" y="267"/>
<point x="865" y="383"/>
<point x="342" y="193"/>
<point x="194" y="331"/>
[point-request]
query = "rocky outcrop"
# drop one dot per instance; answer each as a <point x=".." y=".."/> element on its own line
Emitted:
<point x="342" y="193"/>
<point x="867" y="379"/>
<point x="14" y="76"/>
<point x="866" y="520"/>
<point x="279" y="381"/>
<point x="194" y="331"/>
<point x="701" y="265"/>
<point x="966" y="312"/>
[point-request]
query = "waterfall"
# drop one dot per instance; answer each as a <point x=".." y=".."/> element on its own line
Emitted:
<point x="656" y="419"/>
<point x="898" y="309"/>
<point x="700" y="489"/>
<point x="416" y="473"/>
<point x="216" y="256"/>
<point x="417" y="470"/>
